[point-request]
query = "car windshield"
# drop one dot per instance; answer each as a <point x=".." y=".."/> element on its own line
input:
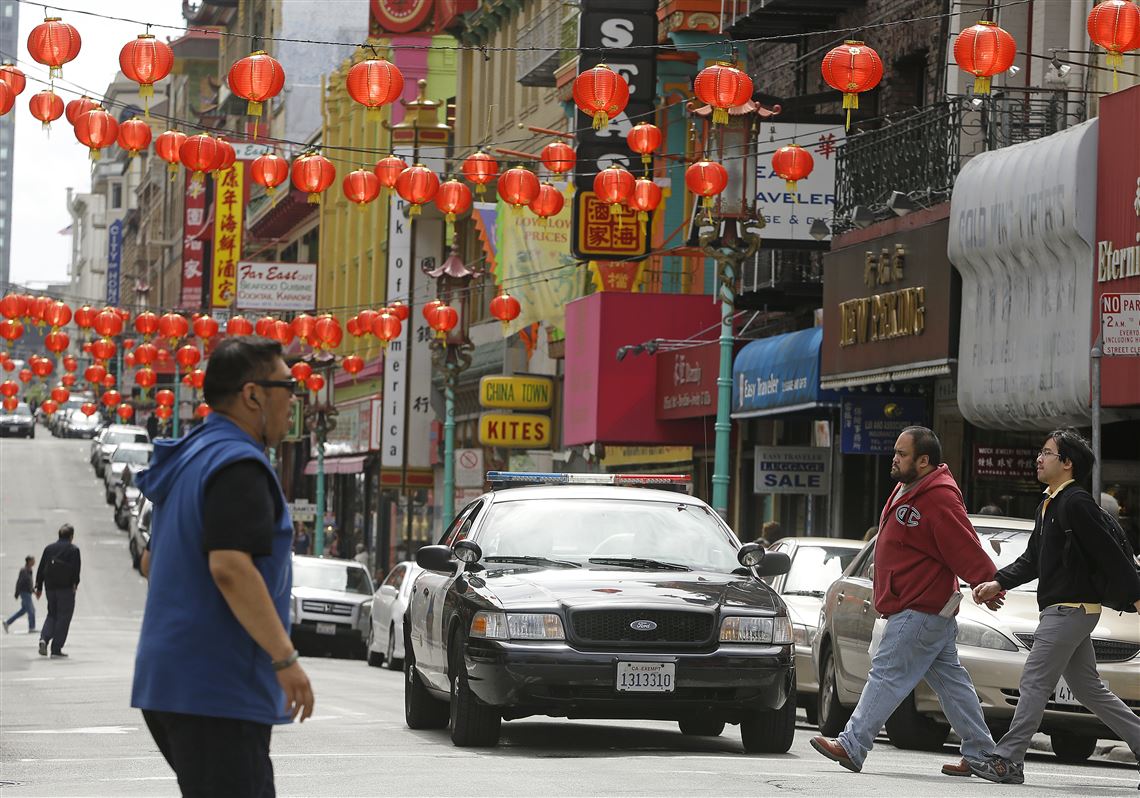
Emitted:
<point x="580" y="531"/>
<point x="131" y="456"/>
<point x="1004" y="546"/>
<point x="21" y="410"/>
<point x="814" y="568"/>
<point x="114" y="438"/>
<point x="331" y="575"/>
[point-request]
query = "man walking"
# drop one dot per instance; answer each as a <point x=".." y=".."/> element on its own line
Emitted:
<point x="215" y="668"/>
<point x="59" y="575"/>
<point x="24" y="596"/>
<point x="925" y="543"/>
<point x="1073" y="556"/>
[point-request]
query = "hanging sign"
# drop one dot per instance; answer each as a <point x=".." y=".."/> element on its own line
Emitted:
<point x="1120" y="324"/>
<point x="114" y="260"/>
<point x="229" y="204"/>
<point x="516" y="393"/>
<point x="517" y="430"/>
<point x="276" y="286"/>
<point x="197" y="229"/>
<point x="792" y="469"/>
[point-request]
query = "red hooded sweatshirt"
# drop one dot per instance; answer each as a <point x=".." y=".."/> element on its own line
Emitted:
<point x="924" y="541"/>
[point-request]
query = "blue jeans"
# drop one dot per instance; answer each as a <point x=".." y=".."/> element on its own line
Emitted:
<point x="26" y="606"/>
<point x="917" y="646"/>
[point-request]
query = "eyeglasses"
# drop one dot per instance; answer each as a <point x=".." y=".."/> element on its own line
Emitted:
<point x="289" y="384"/>
<point x="1044" y="454"/>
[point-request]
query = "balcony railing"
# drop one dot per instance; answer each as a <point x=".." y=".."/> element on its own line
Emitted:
<point x="536" y="67"/>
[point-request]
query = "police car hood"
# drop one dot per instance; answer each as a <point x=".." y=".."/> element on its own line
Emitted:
<point x="592" y="587"/>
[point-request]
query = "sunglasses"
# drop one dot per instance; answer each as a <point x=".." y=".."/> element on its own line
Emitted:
<point x="289" y="384"/>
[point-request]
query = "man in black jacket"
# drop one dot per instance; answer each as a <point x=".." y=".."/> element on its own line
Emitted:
<point x="59" y="574"/>
<point x="24" y="596"/>
<point x="1068" y="595"/>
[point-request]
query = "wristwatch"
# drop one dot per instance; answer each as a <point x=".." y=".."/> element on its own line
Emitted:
<point x="282" y="664"/>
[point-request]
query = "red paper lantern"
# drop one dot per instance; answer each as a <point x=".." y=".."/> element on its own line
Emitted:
<point x="96" y="130"/>
<point x="257" y="77"/>
<point x="70" y="363"/>
<point x="613" y="185"/>
<point x="644" y="138"/>
<point x="264" y="326"/>
<point x="361" y="186"/>
<point x="56" y="341"/>
<point x="852" y="68"/>
<point x="168" y="147"/>
<point x="303" y="325"/>
<point x="46" y="106"/>
<point x="399" y="310"/>
<point x="41" y="366"/>
<point x="134" y="136"/>
<point x="353" y="364"/>
<point x="328" y="332"/>
<point x="722" y="86"/>
<point x="559" y="157"/>
<point x="129" y="359"/>
<point x="388" y="169"/>
<point x="417" y="185"/>
<point x="226" y="156"/>
<point x="124" y="412"/>
<point x="793" y="163"/>
<point x="453" y="198"/>
<point x="14" y="77"/>
<point x="518" y="186"/>
<point x="10" y="404"/>
<point x="375" y="83"/>
<point x="429" y="308"/>
<point x="301" y="370"/>
<point x="386" y="326"/>
<point x="269" y="170"/>
<point x="111" y="397"/>
<point x="313" y="173"/>
<point x="196" y="378"/>
<point x="78" y="107"/>
<point x="282" y="332"/>
<point x="146" y="354"/>
<point x="103" y="349"/>
<point x="13" y="306"/>
<point x="57" y="313"/>
<point x="164" y="398"/>
<point x="94" y="374"/>
<point x="239" y="325"/>
<point x="108" y="322"/>
<point x="173" y="326"/>
<point x="25" y="375"/>
<point x="188" y="356"/>
<point x="146" y="323"/>
<point x="205" y="327"/>
<point x="146" y="61"/>
<point x="68" y="380"/>
<point x="706" y="179"/>
<point x="364" y="321"/>
<point x="49" y="406"/>
<point x="9" y="388"/>
<point x="1115" y="26"/>
<point x="163" y="413"/>
<point x="480" y="169"/>
<point x="549" y="202"/>
<point x="505" y="308"/>
<point x="199" y="154"/>
<point x="984" y="50"/>
<point x="8" y="365"/>
<point x="53" y="43"/>
<point x="202" y="410"/>
<point x="7" y="98"/>
<point x="314" y="382"/>
<point x="145" y="377"/>
<point x="443" y="320"/>
<point x="60" y="394"/>
<point x="89" y="409"/>
<point x="645" y="198"/>
<point x="109" y="381"/>
<point x="601" y="93"/>
<point x="85" y="317"/>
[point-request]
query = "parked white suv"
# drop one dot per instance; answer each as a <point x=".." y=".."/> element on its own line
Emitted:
<point x="331" y="605"/>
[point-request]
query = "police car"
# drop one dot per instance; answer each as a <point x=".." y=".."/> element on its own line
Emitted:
<point x="597" y="596"/>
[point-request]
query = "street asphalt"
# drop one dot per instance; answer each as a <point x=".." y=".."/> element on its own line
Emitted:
<point x="66" y="727"/>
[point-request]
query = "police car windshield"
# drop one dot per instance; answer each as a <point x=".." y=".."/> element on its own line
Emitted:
<point x="580" y="529"/>
<point x="331" y="575"/>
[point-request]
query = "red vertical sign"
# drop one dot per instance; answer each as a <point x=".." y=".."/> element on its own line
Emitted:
<point x="197" y="229"/>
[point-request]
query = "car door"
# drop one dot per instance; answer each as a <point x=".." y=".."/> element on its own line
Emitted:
<point x="853" y="621"/>
<point x="384" y="602"/>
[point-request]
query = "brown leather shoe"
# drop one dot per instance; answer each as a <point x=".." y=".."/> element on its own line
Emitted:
<point x="833" y="750"/>
<point x="959" y="768"/>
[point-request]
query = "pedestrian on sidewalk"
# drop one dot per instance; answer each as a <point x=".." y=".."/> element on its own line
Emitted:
<point x="24" y="596"/>
<point x="215" y="668"/>
<point x="59" y="575"/>
<point x="1077" y="562"/>
<point x="361" y="554"/>
<point x="925" y="543"/>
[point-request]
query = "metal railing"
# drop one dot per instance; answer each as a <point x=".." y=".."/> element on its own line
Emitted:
<point x="536" y="67"/>
<point x="781" y="269"/>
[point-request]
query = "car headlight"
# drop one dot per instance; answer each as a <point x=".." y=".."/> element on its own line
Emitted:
<point x="744" y="629"/>
<point x="981" y="636"/>
<point x="517" y="626"/>
<point x="803" y="634"/>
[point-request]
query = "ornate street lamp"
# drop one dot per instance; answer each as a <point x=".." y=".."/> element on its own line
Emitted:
<point x="320" y="420"/>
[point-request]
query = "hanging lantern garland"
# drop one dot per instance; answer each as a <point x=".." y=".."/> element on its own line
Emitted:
<point x="505" y="308"/>
<point x="7" y="99"/>
<point x="613" y="185"/>
<point x="361" y="187"/>
<point x="168" y="147"/>
<point x="146" y="61"/>
<point x="46" y="106"/>
<point x="269" y="170"/>
<point x="238" y="325"/>
<point x="645" y="198"/>
<point x="601" y="94"/>
<point x="792" y="163"/>
<point x="388" y="169"/>
<point x="518" y="187"/>
<point x="199" y="154"/>
<point x="984" y="50"/>
<point x="256" y="78"/>
<point x="375" y="83"/>
<point x="386" y="326"/>
<point x="227" y="155"/>
<point x="54" y="43"/>
<point x="852" y="68"/>
<point x="14" y="77"/>
<point x="644" y="139"/>
<point x="722" y="86"/>
<point x="417" y="185"/>
<point x="1115" y="26"/>
<point x="706" y="179"/>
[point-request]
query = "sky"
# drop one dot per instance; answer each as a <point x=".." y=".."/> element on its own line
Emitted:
<point x="46" y="164"/>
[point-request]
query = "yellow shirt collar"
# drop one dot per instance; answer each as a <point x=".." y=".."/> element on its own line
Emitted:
<point x="1053" y="494"/>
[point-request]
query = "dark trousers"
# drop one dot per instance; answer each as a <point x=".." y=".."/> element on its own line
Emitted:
<point x="214" y="757"/>
<point x="61" y="606"/>
<point x="28" y="607"/>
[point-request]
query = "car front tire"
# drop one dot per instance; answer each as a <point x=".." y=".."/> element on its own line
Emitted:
<point x="770" y="731"/>
<point x="421" y="709"/>
<point x="1072" y="748"/>
<point x="473" y="723"/>
<point x="910" y="731"/>
<point x="390" y="659"/>
<point x="833" y="716"/>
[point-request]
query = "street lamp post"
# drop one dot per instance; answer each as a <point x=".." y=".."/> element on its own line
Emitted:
<point x="320" y="419"/>
<point x="731" y="239"/>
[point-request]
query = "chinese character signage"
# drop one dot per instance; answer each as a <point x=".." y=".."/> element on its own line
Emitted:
<point x="602" y="234"/>
<point x="616" y="275"/>
<point x="996" y="462"/>
<point x="788" y="215"/>
<point x="114" y="260"/>
<point x="229" y="206"/>
<point x="276" y="286"/>
<point x="197" y="229"/>
<point x="871" y="424"/>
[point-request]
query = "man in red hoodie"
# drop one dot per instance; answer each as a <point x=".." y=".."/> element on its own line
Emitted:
<point x="925" y="543"/>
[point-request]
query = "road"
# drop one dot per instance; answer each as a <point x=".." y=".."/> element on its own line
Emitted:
<point x="66" y="727"/>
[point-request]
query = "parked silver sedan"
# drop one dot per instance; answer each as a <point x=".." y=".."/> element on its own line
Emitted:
<point x="389" y="603"/>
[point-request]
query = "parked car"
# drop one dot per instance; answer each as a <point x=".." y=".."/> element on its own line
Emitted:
<point x="389" y="603"/>
<point x="134" y="455"/>
<point x="138" y="531"/>
<point x="126" y="496"/>
<point x="816" y="563"/>
<point x="578" y="595"/>
<point x="108" y="438"/>
<point x="20" y="421"/>
<point x="57" y="421"/>
<point x="331" y="605"/>
<point x="992" y="646"/>
<point x="81" y="425"/>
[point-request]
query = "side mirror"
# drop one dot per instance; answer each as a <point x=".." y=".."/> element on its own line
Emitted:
<point x="762" y="562"/>
<point x="436" y="558"/>
<point x="467" y="551"/>
<point x="750" y="554"/>
<point x="871" y="572"/>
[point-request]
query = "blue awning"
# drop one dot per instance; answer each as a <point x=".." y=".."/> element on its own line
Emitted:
<point x="779" y="375"/>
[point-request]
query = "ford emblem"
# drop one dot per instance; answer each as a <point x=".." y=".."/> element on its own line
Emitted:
<point x="643" y="626"/>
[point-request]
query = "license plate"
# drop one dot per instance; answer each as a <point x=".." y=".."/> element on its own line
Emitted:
<point x="1064" y="694"/>
<point x="326" y="628"/>
<point x="646" y="677"/>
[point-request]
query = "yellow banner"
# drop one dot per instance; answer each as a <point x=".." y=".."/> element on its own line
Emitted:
<point x="514" y="430"/>
<point x="229" y="207"/>
<point x="534" y="264"/>
<point x="516" y="393"/>
<point x="645" y="455"/>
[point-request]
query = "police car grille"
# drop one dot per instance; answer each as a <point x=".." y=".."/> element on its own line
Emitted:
<point x="327" y="607"/>
<point x="613" y="627"/>
<point x="1105" y="650"/>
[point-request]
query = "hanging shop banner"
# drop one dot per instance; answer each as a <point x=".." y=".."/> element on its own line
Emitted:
<point x="621" y="34"/>
<point x="197" y="230"/>
<point x="276" y="286"/>
<point x="871" y="424"/>
<point x="789" y="215"/>
<point x="229" y="204"/>
<point x="617" y="275"/>
<point x="686" y="382"/>
<point x="1006" y="463"/>
<point x="779" y="374"/>
<point x="514" y="430"/>
<point x="114" y="260"/>
<point x="396" y="355"/>
<point x="516" y="393"/>
<point x="792" y="469"/>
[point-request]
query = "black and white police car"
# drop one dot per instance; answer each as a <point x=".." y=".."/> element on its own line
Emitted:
<point x="596" y="596"/>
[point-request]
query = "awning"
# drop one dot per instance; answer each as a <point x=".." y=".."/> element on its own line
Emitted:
<point x="779" y="375"/>
<point x="338" y="465"/>
<point x="911" y="371"/>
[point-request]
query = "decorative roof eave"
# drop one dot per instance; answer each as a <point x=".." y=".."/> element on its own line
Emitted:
<point x="749" y="107"/>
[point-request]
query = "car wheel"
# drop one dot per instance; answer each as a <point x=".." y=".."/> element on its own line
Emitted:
<point x="832" y="715"/>
<point x="811" y="709"/>
<point x="473" y="723"/>
<point x="770" y="731"/>
<point x="108" y="496"/>
<point x="1069" y="747"/>
<point x="390" y="657"/>
<point x="910" y="731"/>
<point x="374" y="658"/>
<point x="701" y="727"/>
<point x="136" y="557"/>
<point x="421" y="709"/>
<point x="121" y="519"/>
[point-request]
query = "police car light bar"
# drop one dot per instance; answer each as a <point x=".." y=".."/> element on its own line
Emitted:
<point x="521" y="478"/>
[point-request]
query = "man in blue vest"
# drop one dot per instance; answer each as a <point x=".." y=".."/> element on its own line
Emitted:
<point x="215" y="668"/>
